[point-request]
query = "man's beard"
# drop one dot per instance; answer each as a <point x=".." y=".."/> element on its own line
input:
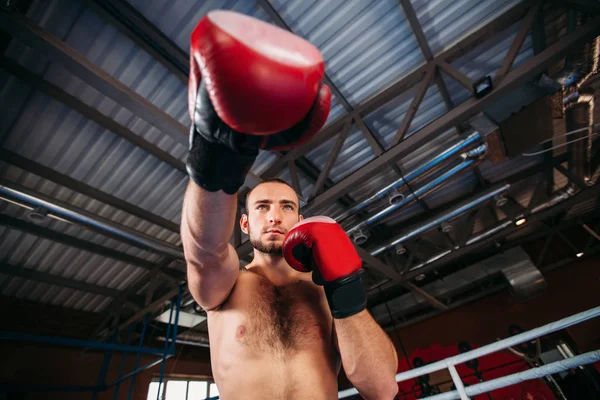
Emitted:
<point x="272" y="248"/>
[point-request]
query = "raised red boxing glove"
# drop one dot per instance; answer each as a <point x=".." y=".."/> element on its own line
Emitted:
<point x="231" y="85"/>
<point x="319" y="244"/>
<point x="260" y="78"/>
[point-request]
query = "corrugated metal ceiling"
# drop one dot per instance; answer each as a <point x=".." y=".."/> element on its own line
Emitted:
<point x="367" y="45"/>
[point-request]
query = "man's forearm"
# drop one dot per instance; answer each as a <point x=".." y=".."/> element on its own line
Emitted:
<point x="368" y="356"/>
<point x="208" y="219"/>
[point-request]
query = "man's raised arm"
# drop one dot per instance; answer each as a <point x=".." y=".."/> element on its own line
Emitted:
<point x="252" y="86"/>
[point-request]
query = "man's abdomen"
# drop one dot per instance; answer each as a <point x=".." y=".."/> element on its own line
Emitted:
<point x="303" y="376"/>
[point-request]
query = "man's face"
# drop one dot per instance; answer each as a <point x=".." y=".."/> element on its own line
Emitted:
<point x="272" y="211"/>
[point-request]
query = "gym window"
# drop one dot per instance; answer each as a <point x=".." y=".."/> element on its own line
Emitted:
<point x="181" y="389"/>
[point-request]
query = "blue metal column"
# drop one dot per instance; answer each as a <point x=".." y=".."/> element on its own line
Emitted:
<point x="166" y="348"/>
<point x="106" y="363"/>
<point x="123" y="359"/>
<point x="138" y="355"/>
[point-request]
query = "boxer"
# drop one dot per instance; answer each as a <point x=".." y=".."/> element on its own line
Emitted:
<point x="282" y="327"/>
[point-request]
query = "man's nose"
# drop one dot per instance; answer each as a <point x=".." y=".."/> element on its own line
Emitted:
<point x="274" y="215"/>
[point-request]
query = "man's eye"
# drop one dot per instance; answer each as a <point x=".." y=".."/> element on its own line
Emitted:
<point x="288" y="207"/>
<point x="261" y="207"/>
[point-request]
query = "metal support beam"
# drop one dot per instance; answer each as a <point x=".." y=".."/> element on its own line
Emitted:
<point x="388" y="271"/>
<point x="570" y="176"/>
<point x="593" y="236"/>
<point x="67" y="212"/>
<point x="517" y="43"/>
<point x="49" y="46"/>
<point x="53" y="279"/>
<point x="72" y="241"/>
<point x="514" y="79"/>
<point x="311" y="173"/>
<point x="414" y="106"/>
<point x="376" y="147"/>
<point x="508" y="230"/>
<point x="144" y="34"/>
<point x="90" y="113"/>
<point x="147" y="36"/>
<point x="467" y="230"/>
<point x="79" y="187"/>
<point x="448" y="102"/>
<point x="417" y="29"/>
<point x="151" y="309"/>
<point x="457" y="75"/>
<point x="337" y="147"/>
<point x="294" y="178"/>
<point x="461" y="48"/>
<point x="116" y="304"/>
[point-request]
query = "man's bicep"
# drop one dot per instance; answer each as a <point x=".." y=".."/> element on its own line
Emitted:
<point x="211" y="283"/>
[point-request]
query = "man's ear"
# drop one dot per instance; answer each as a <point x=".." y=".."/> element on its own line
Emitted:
<point x="300" y="217"/>
<point x="244" y="223"/>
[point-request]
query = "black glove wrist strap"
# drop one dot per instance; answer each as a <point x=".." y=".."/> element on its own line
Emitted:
<point x="214" y="166"/>
<point x="346" y="296"/>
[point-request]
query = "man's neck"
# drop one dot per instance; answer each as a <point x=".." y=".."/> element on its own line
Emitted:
<point x="273" y="267"/>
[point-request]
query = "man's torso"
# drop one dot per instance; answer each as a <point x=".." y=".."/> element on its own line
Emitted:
<point x="273" y="342"/>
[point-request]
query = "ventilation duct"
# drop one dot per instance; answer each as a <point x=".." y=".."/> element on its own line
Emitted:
<point x="513" y="262"/>
<point x="581" y="115"/>
<point x="525" y="280"/>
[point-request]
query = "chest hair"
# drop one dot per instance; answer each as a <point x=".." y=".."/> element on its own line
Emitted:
<point x="285" y="318"/>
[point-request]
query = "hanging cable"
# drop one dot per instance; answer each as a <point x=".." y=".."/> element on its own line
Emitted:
<point x="397" y="337"/>
<point x="562" y="135"/>
<point x="395" y="330"/>
<point x="560" y="145"/>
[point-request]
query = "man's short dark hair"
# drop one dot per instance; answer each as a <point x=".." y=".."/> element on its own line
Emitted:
<point x="269" y="180"/>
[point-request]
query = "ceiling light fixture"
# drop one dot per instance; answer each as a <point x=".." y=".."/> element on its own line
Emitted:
<point x="520" y="221"/>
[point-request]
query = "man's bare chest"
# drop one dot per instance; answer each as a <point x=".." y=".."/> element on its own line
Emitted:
<point x="283" y="319"/>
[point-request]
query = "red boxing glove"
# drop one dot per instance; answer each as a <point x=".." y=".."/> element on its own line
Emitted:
<point x="261" y="79"/>
<point x="252" y="87"/>
<point x="319" y="244"/>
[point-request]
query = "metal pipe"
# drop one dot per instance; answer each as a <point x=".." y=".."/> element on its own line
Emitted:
<point x="591" y="231"/>
<point x="410" y="176"/>
<point x="491" y="348"/>
<point x="66" y="212"/>
<point x="436" y="221"/>
<point x="513" y="379"/>
<point x="17" y="336"/>
<point x="489" y="232"/>
<point x="438" y="181"/>
<point x="560" y="196"/>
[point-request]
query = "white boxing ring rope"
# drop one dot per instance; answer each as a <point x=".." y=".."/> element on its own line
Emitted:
<point x="534" y="373"/>
<point x="498" y="383"/>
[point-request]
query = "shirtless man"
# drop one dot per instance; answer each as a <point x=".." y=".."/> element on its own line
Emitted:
<point x="274" y="332"/>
